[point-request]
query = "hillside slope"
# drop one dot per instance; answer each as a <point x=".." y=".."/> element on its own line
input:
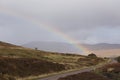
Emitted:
<point x="30" y="62"/>
<point x="8" y="45"/>
<point x="24" y="67"/>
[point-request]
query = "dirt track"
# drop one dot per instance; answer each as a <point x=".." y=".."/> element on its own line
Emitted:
<point x="56" y="77"/>
<point x="66" y="74"/>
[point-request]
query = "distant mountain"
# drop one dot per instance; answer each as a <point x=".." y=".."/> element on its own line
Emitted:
<point x="69" y="48"/>
<point x="53" y="47"/>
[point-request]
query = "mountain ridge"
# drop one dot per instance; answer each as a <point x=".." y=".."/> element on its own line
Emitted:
<point x="60" y="45"/>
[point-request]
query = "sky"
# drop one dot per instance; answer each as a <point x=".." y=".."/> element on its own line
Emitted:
<point x="87" y="21"/>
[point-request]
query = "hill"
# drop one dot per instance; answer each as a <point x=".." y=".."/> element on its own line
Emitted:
<point x="101" y="49"/>
<point x="8" y="45"/>
<point x="66" y="47"/>
<point x="27" y="62"/>
<point x="53" y="47"/>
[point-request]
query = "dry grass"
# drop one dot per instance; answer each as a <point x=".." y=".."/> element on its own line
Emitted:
<point x="108" y="53"/>
<point x="112" y="71"/>
<point x="17" y="58"/>
<point x="24" y="67"/>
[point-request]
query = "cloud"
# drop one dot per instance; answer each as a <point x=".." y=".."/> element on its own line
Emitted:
<point x="18" y="31"/>
<point x="74" y="14"/>
<point x="84" y="20"/>
<point x="99" y="35"/>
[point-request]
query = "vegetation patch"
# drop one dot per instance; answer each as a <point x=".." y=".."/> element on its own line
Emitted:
<point x="24" y="67"/>
<point x="6" y="77"/>
<point x="118" y="59"/>
<point x="85" y="76"/>
<point x="112" y="71"/>
<point x="22" y="62"/>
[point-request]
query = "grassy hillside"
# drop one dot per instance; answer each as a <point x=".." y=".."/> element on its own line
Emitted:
<point x="29" y="62"/>
<point x="48" y="56"/>
<point x="8" y="45"/>
<point x="70" y="60"/>
<point x="24" y="67"/>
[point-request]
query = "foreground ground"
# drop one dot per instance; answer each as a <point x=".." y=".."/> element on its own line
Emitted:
<point x="107" y="72"/>
<point x="111" y="71"/>
<point x="56" y="77"/>
<point x="19" y="62"/>
<point x="85" y="76"/>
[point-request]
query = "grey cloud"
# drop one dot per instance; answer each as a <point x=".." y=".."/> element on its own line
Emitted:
<point x="74" y="14"/>
<point x="18" y="31"/>
<point x="84" y="20"/>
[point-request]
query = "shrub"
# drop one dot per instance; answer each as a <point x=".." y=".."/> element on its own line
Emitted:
<point x="92" y="55"/>
<point x="118" y="59"/>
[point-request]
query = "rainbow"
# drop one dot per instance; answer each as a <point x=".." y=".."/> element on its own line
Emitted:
<point x="49" y="28"/>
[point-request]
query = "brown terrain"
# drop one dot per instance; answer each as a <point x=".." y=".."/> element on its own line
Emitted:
<point x="24" y="67"/>
<point x="19" y="62"/>
<point x="85" y="76"/>
<point x="108" y="72"/>
<point x="107" y="53"/>
<point x="112" y="71"/>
